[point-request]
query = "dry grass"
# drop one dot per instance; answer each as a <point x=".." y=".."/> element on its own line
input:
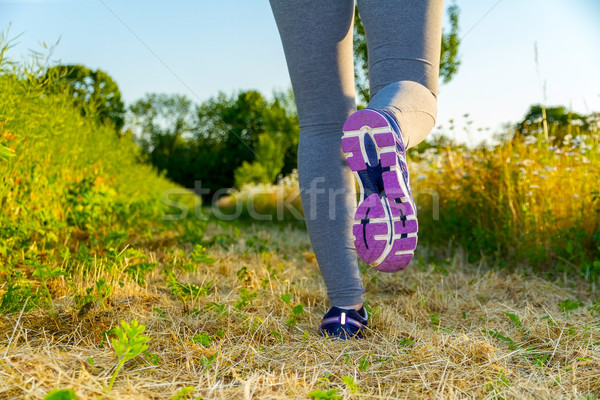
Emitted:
<point x="425" y="339"/>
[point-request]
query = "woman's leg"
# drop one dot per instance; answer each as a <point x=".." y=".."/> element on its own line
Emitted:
<point x="403" y="40"/>
<point x="317" y="41"/>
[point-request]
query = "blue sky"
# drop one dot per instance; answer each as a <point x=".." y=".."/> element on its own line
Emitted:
<point x="199" y="48"/>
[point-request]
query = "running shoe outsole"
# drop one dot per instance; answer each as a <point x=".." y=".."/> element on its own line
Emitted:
<point x="385" y="228"/>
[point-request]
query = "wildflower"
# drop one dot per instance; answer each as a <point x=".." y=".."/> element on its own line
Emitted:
<point x="527" y="163"/>
<point x="576" y="122"/>
<point x="9" y="136"/>
<point x="522" y="171"/>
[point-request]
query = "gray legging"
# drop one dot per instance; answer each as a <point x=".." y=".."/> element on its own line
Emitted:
<point x="403" y="39"/>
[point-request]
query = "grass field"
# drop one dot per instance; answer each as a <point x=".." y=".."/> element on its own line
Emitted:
<point x="232" y="328"/>
<point x="101" y="298"/>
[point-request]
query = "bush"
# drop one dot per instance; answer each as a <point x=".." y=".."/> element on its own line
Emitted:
<point x="68" y="184"/>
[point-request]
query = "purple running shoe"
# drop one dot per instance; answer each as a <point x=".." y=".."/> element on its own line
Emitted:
<point x="385" y="228"/>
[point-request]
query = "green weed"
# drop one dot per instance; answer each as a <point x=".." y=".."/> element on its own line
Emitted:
<point x="184" y="393"/>
<point x="128" y="344"/>
<point x="331" y="394"/>
<point x="18" y="296"/>
<point x="203" y="339"/>
<point x="45" y="273"/>
<point x="94" y="295"/>
<point x="185" y="291"/>
<point x="61" y="394"/>
<point x="515" y="319"/>
<point x="569" y="305"/>
<point x="246" y="298"/>
<point x="199" y="255"/>
<point x="139" y="271"/>
<point x="350" y="384"/>
<point x="207" y="361"/>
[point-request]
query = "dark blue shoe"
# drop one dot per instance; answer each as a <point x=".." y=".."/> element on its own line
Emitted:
<point x="344" y="324"/>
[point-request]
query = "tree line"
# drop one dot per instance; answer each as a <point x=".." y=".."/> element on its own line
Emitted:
<point x="226" y="141"/>
<point x="247" y="137"/>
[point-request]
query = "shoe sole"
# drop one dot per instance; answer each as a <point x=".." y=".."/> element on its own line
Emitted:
<point x="386" y="227"/>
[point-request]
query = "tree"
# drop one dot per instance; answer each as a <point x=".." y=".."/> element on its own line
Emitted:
<point x="94" y="92"/>
<point x="449" y="60"/>
<point x="160" y="120"/>
<point x="250" y="138"/>
<point x="227" y="134"/>
<point x="281" y="124"/>
<point x="162" y="126"/>
<point x="265" y="167"/>
<point x="224" y="141"/>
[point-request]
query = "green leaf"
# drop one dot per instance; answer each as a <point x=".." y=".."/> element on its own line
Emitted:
<point x="569" y="247"/>
<point x="331" y="394"/>
<point x="278" y="336"/>
<point x="242" y="273"/>
<point x="6" y="153"/>
<point x="286" y="298"/>
<point x="515" y="320"/>
<point x="199" y="255"/>
<point x="183" y="393"/>
<point x="350" y="384"/>
<point x="297" y="310"/>
<point x="203" y="339"/>
<point x="61" y="394"/>
<point x="570" y="305"/>
<point x="498" y="335"/>
<point x="207" y="361"/>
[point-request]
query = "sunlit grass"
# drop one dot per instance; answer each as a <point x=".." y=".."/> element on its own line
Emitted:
<point x="521" y="201"/>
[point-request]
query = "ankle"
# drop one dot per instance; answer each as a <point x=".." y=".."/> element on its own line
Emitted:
<point x="354" y="307"/>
